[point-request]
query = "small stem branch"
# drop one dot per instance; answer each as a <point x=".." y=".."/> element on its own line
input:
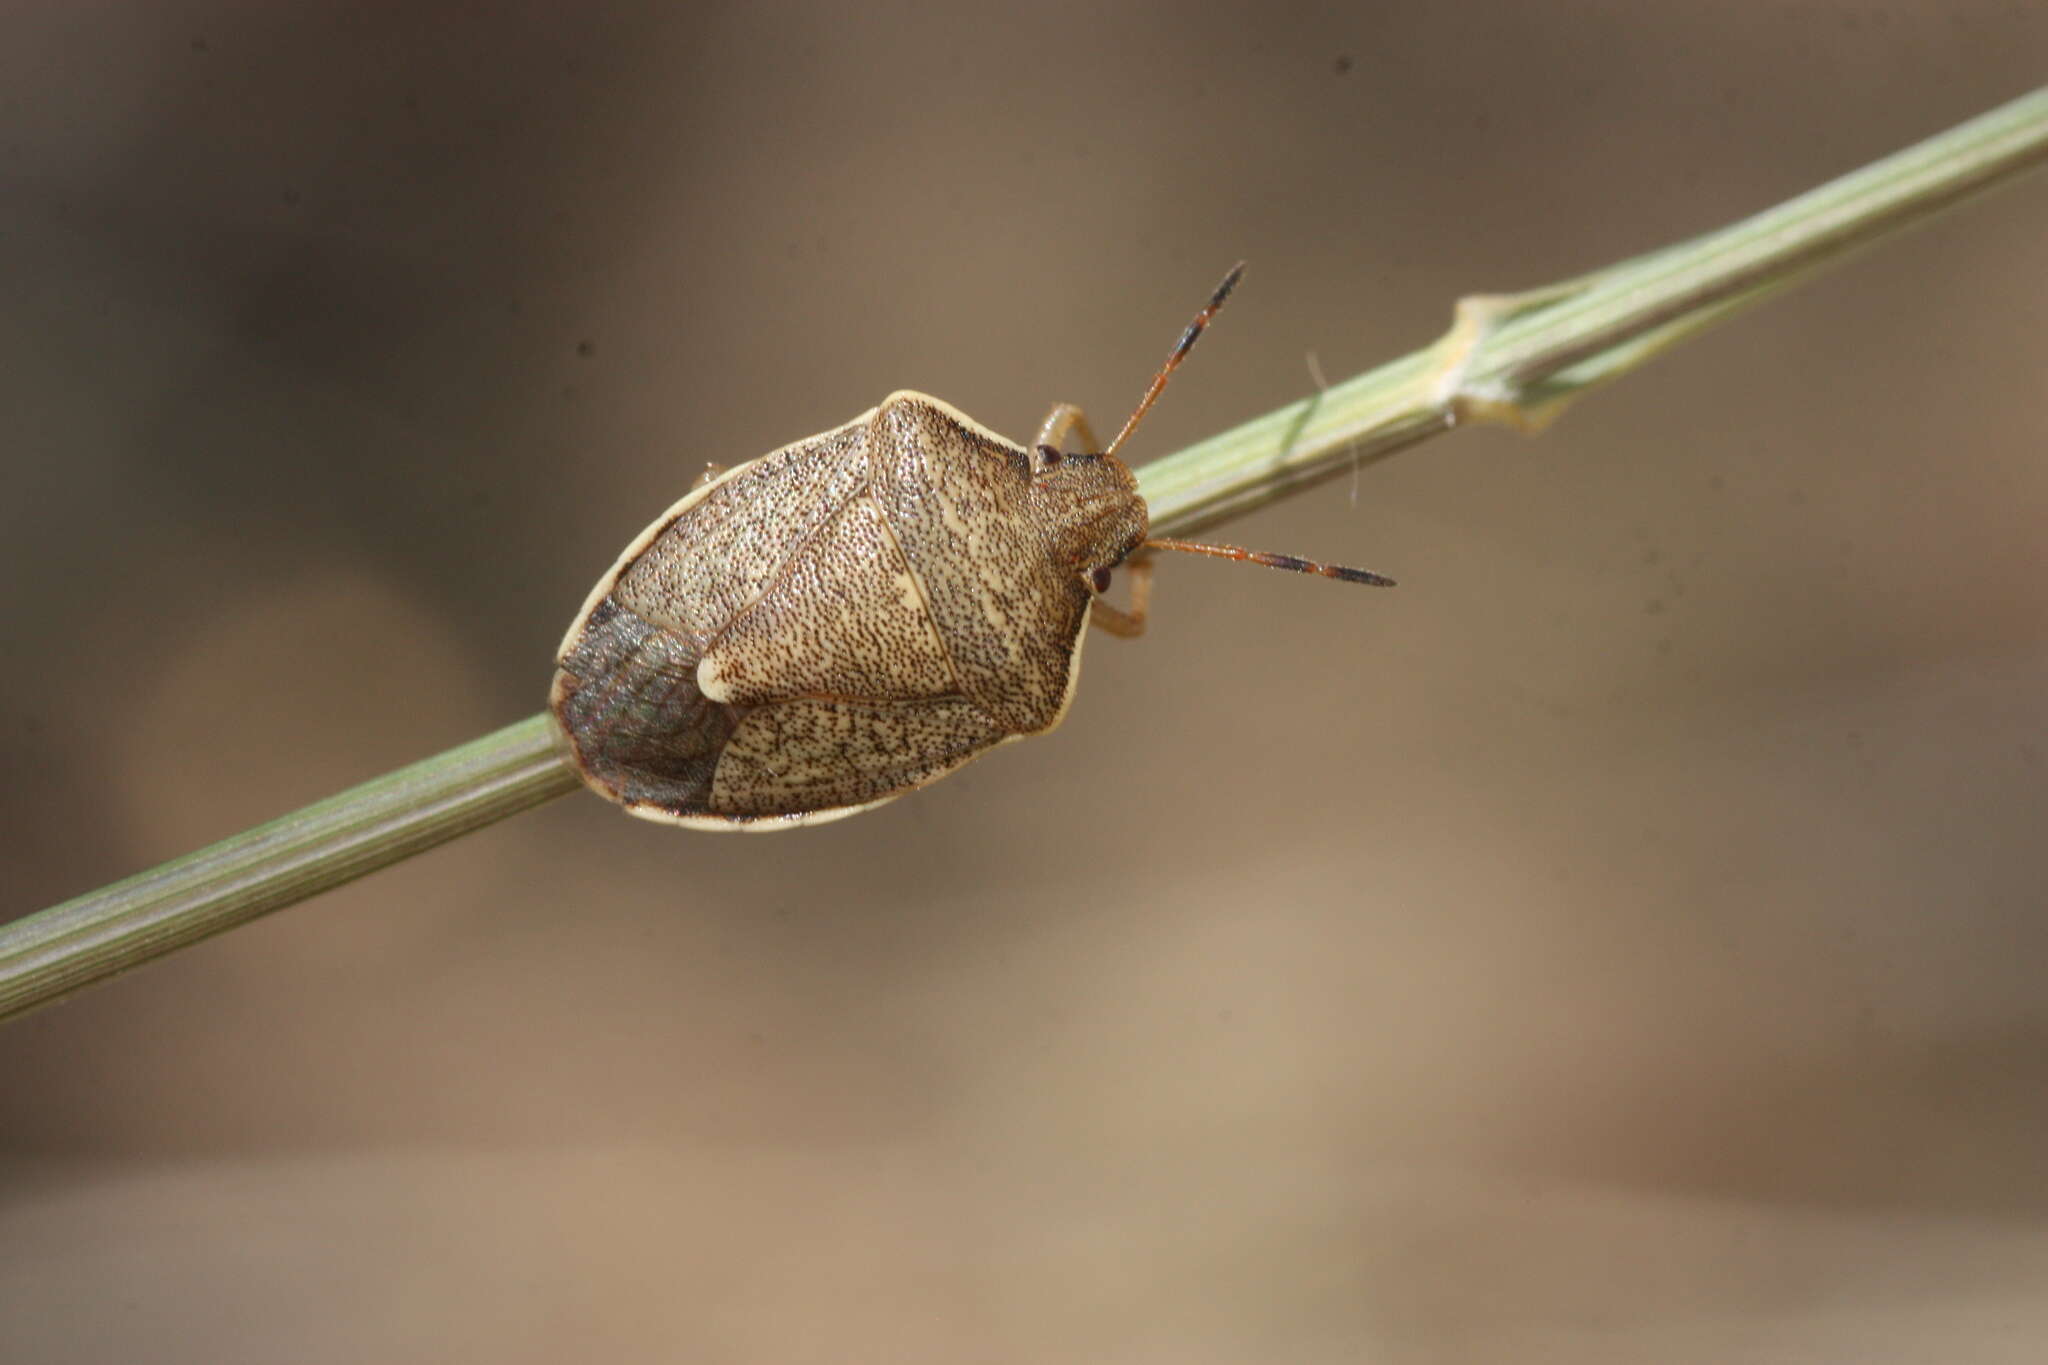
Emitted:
<point x="1516" y="359"/>
<point x="1520" y="359"/>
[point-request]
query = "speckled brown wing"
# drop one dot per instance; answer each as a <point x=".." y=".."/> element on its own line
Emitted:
<point x="625" y="691"/>
<point x="824" y="756"/>
<point x="846" y="618"/>
<point x="843" y="692"/>
<point x="713" y="685"/>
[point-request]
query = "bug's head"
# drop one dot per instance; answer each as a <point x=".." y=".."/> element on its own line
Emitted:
<point x="1094" y="503"/>
<point x="1102" y="517"/>
<point x="1090" y="507"/>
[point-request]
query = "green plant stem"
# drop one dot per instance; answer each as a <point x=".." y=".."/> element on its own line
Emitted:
<point x="263" y="869"/>
<point x="1515" y="359"/>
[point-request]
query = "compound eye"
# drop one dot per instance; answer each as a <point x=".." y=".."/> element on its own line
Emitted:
<point x="1100" y="579"/>
<point x="1050" y="457"/>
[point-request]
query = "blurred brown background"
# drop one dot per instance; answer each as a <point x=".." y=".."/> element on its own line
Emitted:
<point x="1624" y="942"/>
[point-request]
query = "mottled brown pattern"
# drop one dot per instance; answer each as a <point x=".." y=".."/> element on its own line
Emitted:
<point x="817" y="755"/>
<point x="997" y="551"/>
<point x="841" y="621"/>
<point x="731" y="545"/>
<point x="845" y="620"/>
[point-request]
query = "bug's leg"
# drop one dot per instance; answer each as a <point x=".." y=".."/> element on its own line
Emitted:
<point x="712" y="472"/>
<point x="1127" y="623"/>
<point x="1065" y="418"/>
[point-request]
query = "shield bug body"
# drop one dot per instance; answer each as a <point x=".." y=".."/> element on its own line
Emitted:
<point x="855" y="615"/>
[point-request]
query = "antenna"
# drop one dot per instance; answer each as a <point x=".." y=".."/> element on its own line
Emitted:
<point x="1180" y="353"/>
<point x="1238" y="553"/>
<point x="1273" y="561"/>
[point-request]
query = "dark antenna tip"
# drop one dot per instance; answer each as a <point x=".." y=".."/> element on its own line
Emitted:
<point x="1229" y="283"/>
<point x="1291" y="563"/>
<point x="1178" y="354"/>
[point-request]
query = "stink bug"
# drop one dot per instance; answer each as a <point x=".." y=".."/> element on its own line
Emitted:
<point x="857" y="614"/>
